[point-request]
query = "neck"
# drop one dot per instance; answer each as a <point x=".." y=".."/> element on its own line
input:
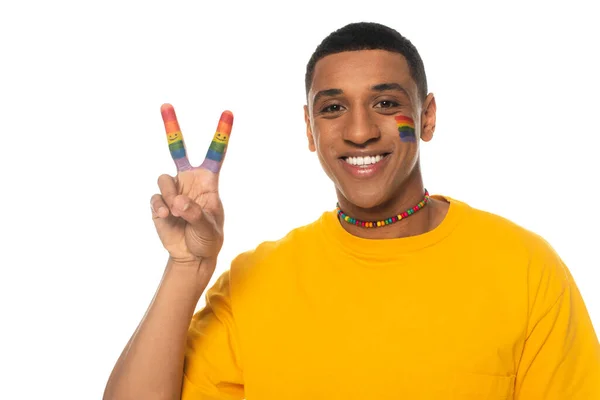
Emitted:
<point x="410" y="193"/>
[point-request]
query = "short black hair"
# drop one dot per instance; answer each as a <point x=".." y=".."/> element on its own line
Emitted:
<point x="369" y="36"/>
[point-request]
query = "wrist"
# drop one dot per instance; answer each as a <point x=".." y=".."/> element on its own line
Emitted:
<point x="192" y="275"/>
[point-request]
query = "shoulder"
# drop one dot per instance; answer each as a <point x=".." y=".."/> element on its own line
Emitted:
<point x="487" y="226"/>
<point x="270" y="255"/>
<point x="501" y="237"/>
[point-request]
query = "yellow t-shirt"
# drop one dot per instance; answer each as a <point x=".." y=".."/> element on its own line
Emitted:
<point x="478" y="308"/>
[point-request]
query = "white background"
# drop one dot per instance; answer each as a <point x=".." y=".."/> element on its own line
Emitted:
<point x="81" y="85"/>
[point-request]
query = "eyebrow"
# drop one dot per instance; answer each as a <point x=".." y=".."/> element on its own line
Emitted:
<point x="382" y="87"/>
<point x="328" y="93"/>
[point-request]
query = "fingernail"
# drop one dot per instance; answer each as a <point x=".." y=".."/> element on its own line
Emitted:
<point x="185" y="206"/>
<point x="160" y="210"/>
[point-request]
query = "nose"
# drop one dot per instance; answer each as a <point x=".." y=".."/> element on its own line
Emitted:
<point x="361" y="128"/>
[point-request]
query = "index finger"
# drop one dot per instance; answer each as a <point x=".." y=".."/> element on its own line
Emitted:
<point x="175" y="138"/>
<point x="218" y="146"/>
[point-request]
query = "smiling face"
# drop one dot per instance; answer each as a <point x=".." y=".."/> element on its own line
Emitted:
<point x="221" y="137"/>
<point x="361" y="105"/>
<point x="172" y="137"/>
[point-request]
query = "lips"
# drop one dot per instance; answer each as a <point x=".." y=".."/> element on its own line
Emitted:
<point x="364" y="160"/>
<point x="365" y="170"/>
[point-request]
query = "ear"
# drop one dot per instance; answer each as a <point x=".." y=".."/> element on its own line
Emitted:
<point x="309" y="135"/>
<point x="428" y="118"/>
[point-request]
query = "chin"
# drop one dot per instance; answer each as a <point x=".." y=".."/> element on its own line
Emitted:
<point x="365" y="199"/>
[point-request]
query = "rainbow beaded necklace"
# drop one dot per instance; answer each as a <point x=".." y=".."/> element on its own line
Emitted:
<point x="384" y="222"/>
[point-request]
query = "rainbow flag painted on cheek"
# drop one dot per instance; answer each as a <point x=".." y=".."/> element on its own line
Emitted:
<point x="406" y="128"/>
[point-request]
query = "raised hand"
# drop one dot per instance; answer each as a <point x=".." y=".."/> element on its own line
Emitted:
<point x="188" y="213"/>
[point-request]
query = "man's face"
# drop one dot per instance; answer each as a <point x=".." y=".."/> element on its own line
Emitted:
<point x="363" y="120"/>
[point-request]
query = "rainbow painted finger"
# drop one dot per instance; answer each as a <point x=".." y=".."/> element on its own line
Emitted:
<point x="175" y="138"/>
<point x="406" y="128"/>
<point x="218" y="146"/>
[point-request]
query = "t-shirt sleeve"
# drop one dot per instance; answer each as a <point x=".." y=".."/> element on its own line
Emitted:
<point x="212" y="367"/>
<point x="561" y="355"/>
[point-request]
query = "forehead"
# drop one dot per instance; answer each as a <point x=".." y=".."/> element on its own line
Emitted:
<point x="361" y="69"/>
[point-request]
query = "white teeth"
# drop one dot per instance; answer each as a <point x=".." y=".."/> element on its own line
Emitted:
<point x="368" y="160"/>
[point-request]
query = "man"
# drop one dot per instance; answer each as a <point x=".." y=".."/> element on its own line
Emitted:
<point x="396" y="294"/>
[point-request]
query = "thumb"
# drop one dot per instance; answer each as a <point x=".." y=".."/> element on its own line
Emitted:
<point x="192" y="213"/>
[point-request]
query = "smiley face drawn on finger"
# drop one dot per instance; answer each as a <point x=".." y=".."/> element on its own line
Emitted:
<point x="172" y="137"/>
<point x="218" y="145"/>
<point x="221" y="137"/>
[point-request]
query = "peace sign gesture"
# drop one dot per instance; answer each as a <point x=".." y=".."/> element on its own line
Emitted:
<point x="188" y="213"/>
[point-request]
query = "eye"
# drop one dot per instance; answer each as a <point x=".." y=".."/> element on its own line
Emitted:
<point x="387" y="104"/>
<point x="332" y="108"/>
